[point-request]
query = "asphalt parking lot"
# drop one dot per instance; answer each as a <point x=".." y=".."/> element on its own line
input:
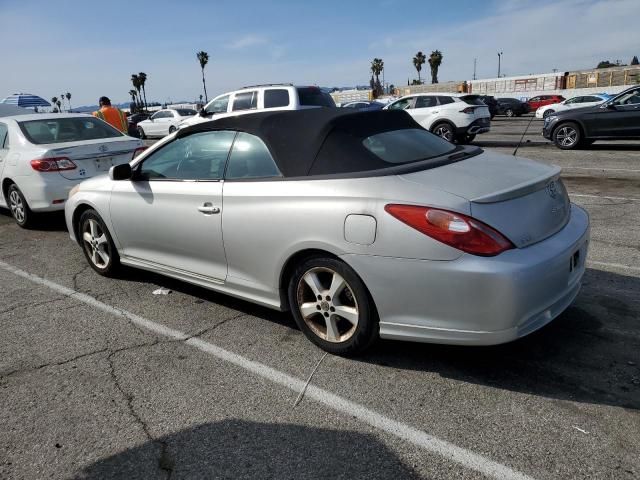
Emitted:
<point x="100" y="378"/>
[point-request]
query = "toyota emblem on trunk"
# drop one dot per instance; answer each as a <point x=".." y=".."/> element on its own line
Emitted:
<point x="102" y="148"/>
<point x="552" y="189"/>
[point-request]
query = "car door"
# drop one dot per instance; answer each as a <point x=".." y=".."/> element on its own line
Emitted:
<point x="619" y="117"/>
<point x="153" y="126"/>
<point x="425" y="110"/>
<point x="169" y="216"/>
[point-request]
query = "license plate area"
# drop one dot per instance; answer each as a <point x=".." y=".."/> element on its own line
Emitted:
<point x="104" y="163"/>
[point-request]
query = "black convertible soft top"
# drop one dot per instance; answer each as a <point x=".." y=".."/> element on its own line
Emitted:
<point x="299" y="139"/>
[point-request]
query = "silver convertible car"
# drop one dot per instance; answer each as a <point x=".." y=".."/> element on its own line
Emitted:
<point x="363" y="225"/>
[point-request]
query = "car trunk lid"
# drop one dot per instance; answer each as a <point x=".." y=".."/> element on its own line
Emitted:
<point x="524" y="200"/>
<point x="94" y="157"/>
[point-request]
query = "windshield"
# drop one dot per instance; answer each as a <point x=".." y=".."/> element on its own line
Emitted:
<point x="185" y="112"/>
<point x="405" y="146"/>
<point x="313" y="96"/>
<point x="59" y="130"/>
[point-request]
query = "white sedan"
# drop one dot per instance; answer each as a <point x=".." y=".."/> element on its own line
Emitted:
<point x="164" y="122"/>
<point x="43" y="156"/>
<point x="574" y="102"/>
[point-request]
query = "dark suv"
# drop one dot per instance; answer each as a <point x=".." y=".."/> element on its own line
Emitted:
<point x="491" y="102"/>
<point x="617" y="118"/>
<point x="512" y="107"/>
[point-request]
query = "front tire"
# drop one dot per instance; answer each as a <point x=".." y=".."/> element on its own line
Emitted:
<point x="467" y="138"/>
<point x="141" y="133"/>
<point x="332" y="306"/>
<point x="547" y="113"/>
<point x="172" y="129"/>
<point x="567" y="136"/>
<point x="97" y="244"/>
<point x="444" y="130"/>
<point x="19" y="207"/>
<point x="509" y="112"/>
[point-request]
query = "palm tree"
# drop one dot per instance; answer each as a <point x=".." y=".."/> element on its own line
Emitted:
<point x="62" y="99"/>
<point x="68" y="97"/>
<point x="377" y="65"/>
<point x="435" y="60"/>
<point x="54" y="102"/>
<point x="203" y="58"/>
<point x="135" y="80"/>
<point x="143" y="79"/>
<point x="59" y="104"/>
<point x="418" y="61"/>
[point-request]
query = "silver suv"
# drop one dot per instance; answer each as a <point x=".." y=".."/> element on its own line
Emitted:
<point x="258" y="98"/>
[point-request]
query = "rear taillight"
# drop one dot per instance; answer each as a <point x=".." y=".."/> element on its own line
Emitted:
<point x="455" y="229"/>
<point x="53" y="164"/>
<point x="138" y="151"/>
<point x="468" y="110"/>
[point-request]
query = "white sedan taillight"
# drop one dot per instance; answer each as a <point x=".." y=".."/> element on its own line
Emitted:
<point x="53" y="164"/>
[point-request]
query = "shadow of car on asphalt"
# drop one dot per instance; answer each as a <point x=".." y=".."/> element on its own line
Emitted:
<point x="590" y="353"/>
<point x="244" y="449"/>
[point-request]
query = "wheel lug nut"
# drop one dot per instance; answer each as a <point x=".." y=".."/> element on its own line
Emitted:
<point x="332" y="309"/>
<point x="326" y="314"/>
<point x="318" y="307"/>
<point x="328" y="298"/>
<point x="319" y="297"/>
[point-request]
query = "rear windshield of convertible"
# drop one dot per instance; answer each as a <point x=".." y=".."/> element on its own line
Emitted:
<point x="404" y="146"/>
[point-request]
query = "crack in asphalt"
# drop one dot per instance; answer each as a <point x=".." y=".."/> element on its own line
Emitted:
<point x="75" y="276"/>
<point x="33" y="305"/>
<point x="51" y="364"/>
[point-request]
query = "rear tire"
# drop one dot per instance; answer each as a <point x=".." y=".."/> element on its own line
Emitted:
<point x="97" y="244"/>
<point x="509" y="112"/>
<point x="19" y="207"/>
<point x="141" y="133"/>
<point x="172" y="129"/>
<point x="332" y="306"/>
<point x="444" y="130"/>
<point x="567" y="136"/>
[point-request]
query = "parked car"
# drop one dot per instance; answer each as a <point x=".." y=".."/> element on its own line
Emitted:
<point x="164" y="122"/>
<point x="132" y="123"/>
<point x="262" y="97"/>
<point x="542" y="100"/>
<point x="581" y="101"/>
<point x="387" y="231"/>
<point x="512" y="107"/>
<point x="363" y="105"/>
<point x="453" y="116"/>
<point x="43" y="156"/>
<point x="616" y="118"/>
<point x="491" y="102"/>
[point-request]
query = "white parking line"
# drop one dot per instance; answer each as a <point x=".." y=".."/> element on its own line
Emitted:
<point x="448" y="450"/>
<point x="619" y="266"/>
<point x="602" y="169"/>
<point x="602" y="196"/>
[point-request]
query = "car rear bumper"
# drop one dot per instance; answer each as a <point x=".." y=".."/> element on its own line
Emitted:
<point x="481" y="125"/>
<point x="478" y="300"/>
<point x="41" y="191"/>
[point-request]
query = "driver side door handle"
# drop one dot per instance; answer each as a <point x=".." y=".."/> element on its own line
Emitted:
<point x="208" y="209"/>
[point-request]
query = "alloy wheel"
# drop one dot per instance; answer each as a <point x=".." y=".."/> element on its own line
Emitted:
<point x="445" y="132"/>
<point x="567" y="136"/>
<point x="327" y="304"/>
<point x="96" y="244"/>
<point x="17" y="206"/>
<point x="509" y="113"/>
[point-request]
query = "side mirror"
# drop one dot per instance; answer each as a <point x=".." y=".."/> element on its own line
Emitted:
<point x="120" y="172"/>
<point x="611" y="106"/>
<point x="202" y="112"/>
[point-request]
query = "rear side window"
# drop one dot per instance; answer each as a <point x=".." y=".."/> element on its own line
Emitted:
<point x="276" y="98"/>
<point x="425" y="102"/>
<point x="445" y="100"/>
<point x="313" y="96"/>
<point x="592" y="99"/>
<point x="245" y="101"/>
<point x="4" y="136"/>
<point x="472" y="100"/>
<point x="250" y="158"/>
<point x="58" y="130"/>
<point x="405" y="146"/>
<point x="186" y="112"/>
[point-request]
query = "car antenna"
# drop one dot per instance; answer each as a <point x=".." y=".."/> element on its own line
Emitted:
<point x="523" y="134"/>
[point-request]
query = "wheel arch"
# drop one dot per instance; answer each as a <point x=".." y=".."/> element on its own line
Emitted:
<point x="6" y="183"/>
<point x="442" y="120"/>
<point x="75" y="218"/>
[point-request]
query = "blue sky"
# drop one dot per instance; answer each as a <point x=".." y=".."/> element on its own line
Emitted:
<point x="58" y="46"/>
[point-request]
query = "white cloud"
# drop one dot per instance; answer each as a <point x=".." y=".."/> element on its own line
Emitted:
<point x="247" y="41"/>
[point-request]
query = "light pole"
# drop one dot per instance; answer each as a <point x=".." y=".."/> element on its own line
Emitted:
<point x="499" y="58"/>
<point x="474" y="68"/>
